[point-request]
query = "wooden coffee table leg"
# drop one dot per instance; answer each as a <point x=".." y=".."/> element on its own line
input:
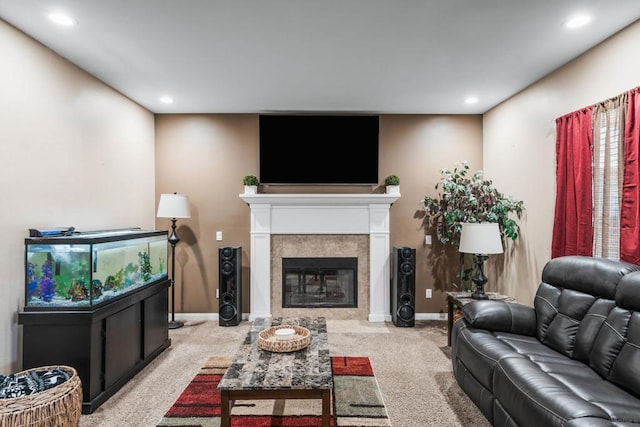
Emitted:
<point x="326" y="408"/>
<point x="225" y="409"/>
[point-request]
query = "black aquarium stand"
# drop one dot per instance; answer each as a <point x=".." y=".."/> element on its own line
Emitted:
<point x="108" y="345"/>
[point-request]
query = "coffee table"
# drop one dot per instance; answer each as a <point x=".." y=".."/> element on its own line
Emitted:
<point x="256" y="374"/>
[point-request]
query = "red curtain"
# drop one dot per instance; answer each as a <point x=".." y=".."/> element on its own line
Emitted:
<point x="630" y="209"/>
<point x="572" y="222"/>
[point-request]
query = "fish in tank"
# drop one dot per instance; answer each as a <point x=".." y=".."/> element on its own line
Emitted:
<point x="77" y="275"/>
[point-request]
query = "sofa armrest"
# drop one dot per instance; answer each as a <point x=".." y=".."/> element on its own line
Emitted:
<point x="501" y="316"/>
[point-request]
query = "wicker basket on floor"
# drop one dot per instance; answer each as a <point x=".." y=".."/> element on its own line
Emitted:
<point x="56" y="407"/>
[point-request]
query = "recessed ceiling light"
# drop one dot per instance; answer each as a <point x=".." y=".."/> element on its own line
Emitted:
<point x="166" y="99"/>
<point x="471" y="100"/>
<point x="62" y="19"/>
<point x="577" y="21"/>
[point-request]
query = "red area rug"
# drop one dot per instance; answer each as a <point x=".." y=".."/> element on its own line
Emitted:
<point x="356" y="401"/>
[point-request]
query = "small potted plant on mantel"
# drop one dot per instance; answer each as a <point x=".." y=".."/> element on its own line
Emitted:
<point x="250" y="184"/>
<point x="392" y="183"/>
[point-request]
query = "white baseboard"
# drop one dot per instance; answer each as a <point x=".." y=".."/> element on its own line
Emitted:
<point x="195" y="316"/>
<point x="431" y="316"/>
<point x="245" y="316"/>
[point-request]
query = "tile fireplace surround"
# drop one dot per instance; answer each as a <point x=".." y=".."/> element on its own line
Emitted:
<point x="293" y="217"/>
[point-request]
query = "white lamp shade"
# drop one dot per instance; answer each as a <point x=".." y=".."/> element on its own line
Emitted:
<point x="480" y="238"/>
<point x="174" y="206"/>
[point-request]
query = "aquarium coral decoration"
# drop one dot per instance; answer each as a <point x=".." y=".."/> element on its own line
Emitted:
<point x="131" y="275"/>
<point x="114" y="283"/>
<point x="78" y="291"/>
<point x="47" y="284"/>
<point x="32" y="281"/>
<point x="96" y="288"/>
<point x="145" y="265"/>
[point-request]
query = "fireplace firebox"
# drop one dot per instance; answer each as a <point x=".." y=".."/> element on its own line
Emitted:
<point x="320" y="282"/>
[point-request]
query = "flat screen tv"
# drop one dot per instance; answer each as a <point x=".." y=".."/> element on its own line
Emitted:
<point x="318" y="149"/>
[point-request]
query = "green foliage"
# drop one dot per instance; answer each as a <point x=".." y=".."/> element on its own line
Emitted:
<point x="469" y="199"/>
<point x="145" y="265"/>
<point x="463" y="198"/>
<point x="392" y="180"/>
<point x="250" y="180"/>
<point x="115" y="282"/>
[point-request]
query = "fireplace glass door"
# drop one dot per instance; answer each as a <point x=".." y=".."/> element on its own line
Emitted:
<point x="319" y="282"/>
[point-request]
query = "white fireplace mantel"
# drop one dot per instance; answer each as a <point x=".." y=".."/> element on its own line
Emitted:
<point x="320" y="214"/>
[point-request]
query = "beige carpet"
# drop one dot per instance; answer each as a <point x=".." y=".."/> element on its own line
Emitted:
<point x="412" y="366"/>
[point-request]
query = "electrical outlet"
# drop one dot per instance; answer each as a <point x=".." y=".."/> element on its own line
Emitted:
<point x="219" y="236"/>
<point x="217" y="293"/>
<point x="427" y="239"/>
<point x="429" y="293"/>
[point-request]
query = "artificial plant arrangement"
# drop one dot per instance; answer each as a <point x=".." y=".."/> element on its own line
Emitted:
<point x="392" y="184"/>
<point x="392" y="180"/>
<point x="250" y="180"/>
<point x="251" y="183"/>
<point x="463" y="198"/>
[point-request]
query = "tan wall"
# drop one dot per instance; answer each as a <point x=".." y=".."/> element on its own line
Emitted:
<point x="519" y="146"/>
<point x="416" y="148"/>
<point x="206" y="157"/>
<point x="74" y="153"/>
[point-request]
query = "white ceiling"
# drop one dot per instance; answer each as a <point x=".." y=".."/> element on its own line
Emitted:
<point x="380" y="56"/>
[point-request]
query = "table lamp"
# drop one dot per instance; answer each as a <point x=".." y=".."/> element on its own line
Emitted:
<point x="173" y="206"/>
<point x="480" y="239"/>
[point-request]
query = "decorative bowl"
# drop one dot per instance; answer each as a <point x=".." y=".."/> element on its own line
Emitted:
<point x="285" y="333"/>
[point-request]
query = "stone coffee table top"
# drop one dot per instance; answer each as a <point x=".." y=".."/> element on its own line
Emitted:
<point x="256" y="369"/>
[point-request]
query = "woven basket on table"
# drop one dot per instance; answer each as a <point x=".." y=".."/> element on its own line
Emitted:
<point x="59" y="406"/>
<point x="268" y="341"/>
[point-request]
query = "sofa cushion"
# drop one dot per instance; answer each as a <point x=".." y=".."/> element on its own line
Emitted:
<point x="31" y="381"/>
<point x="576" y="289"/>
<point x="616" y="351"/>
<point x="589" y="327"/>
<point x="628" y="292"/>
<point x="533" y="397"/>
<point x="594" y="276"/>
<point x="560" y="389"/>
<point x="571" y="307"/>
<point x="531" y="348"/>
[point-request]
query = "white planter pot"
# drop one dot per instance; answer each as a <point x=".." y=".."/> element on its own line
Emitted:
<point x="250" y="189"/>
<point x="392" y="189"/>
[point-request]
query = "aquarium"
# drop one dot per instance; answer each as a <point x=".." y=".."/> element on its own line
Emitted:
<point x="84" y="270"/>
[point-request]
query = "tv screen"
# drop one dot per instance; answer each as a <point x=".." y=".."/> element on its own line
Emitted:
<point x="318" y="149"/>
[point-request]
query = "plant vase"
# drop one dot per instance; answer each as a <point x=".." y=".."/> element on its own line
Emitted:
<point x="392" y="189"/>
<point x="250" y="189"/>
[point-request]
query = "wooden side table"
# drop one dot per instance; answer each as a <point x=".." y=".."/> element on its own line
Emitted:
<point x="460" y="299"/>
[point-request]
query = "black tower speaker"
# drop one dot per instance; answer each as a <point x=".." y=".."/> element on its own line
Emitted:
<point x="404" y="287"/>
<point x="230" y="285"/>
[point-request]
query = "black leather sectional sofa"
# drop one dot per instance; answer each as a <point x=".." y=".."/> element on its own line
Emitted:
<point x="573" y="359"/>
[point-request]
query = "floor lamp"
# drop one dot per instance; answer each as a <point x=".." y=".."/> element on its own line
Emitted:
<point x="173" y="206"/>
<point x="480" y="239"/>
